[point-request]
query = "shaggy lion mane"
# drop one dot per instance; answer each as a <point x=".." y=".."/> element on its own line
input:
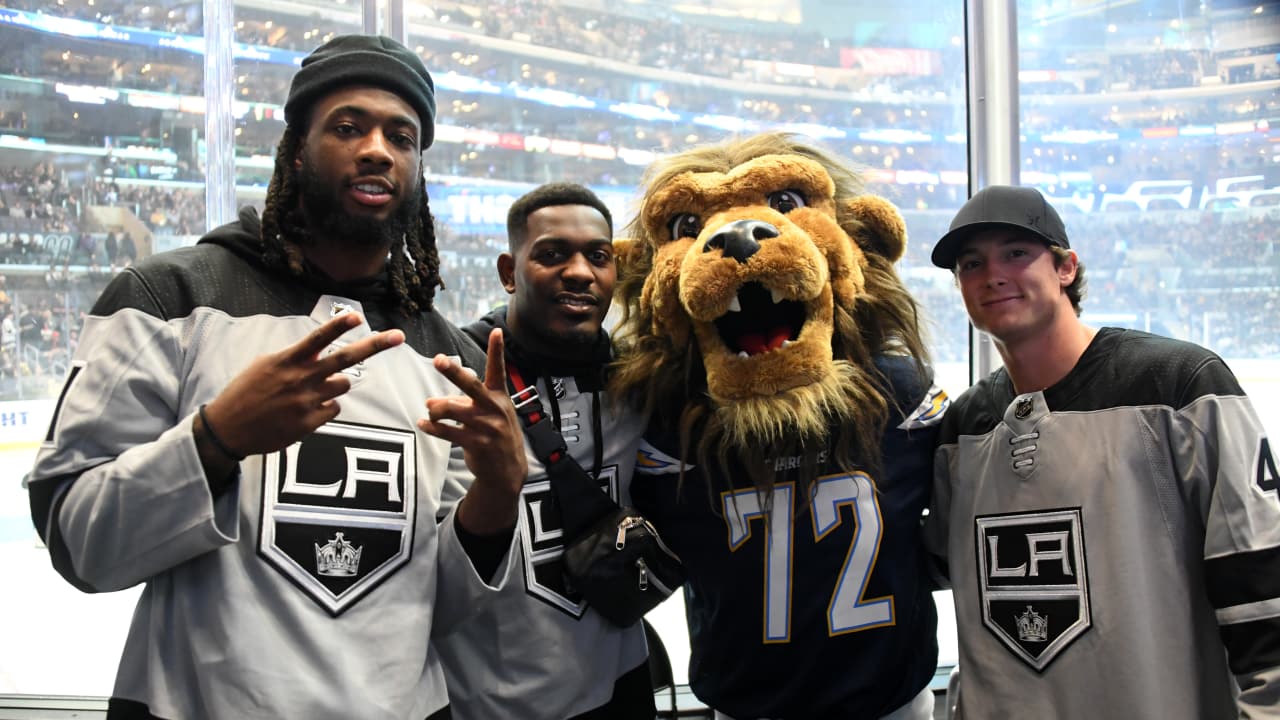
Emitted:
<point x="663" y="372"/>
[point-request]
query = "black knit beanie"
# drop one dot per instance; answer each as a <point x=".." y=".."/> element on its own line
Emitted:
<point x="363" y="60"/>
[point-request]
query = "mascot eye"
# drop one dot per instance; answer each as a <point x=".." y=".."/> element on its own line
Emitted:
<point x="784" y="201"/>
<point x="685" y="225"/>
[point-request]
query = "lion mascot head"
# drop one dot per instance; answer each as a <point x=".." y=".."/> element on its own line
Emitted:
<point x="757" y="285"/>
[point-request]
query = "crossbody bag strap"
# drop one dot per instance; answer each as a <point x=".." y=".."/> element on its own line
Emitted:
<point x="580" y="500"/>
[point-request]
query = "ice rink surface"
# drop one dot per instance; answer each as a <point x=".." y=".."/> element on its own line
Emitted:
<point x="59" y="641"/>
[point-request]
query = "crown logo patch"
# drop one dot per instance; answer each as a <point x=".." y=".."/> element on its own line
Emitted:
<point x="338" y="558"/>
<point x="1032" y="626"/>
<point x="1031" y="566"/>
<point x="339" y="509"/>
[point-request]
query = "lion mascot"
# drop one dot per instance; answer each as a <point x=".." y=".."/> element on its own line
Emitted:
<point x="789" y="456"/>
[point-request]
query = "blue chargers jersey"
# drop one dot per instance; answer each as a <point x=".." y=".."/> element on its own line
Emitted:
<point x="804" y="607"/>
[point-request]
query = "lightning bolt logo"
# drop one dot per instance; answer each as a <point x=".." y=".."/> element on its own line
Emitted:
<point x="929" y="411"/>
<point x="652" y="461"/>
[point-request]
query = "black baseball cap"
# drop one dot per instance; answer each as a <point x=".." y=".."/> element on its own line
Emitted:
<point x="995" y="206"/>
<point x="364" y="60"/>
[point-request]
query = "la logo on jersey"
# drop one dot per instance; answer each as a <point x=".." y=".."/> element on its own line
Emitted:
<point x="1033" y="582"/>
<point x="338" y="510"/>
<point x="542" y="535"/>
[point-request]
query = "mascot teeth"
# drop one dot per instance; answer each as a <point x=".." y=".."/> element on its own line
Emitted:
<point x="777" y="296"/>
<point x="769" y="322"/>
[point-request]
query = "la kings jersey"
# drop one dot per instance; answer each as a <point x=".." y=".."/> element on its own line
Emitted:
<point x="804" y="608"/>
<point x="539" y="652"/>
<point x="310" y="588"/>
<point x="1108" y="536"/>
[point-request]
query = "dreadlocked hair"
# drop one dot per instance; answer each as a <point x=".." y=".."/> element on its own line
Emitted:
<point x="414" y="267"/>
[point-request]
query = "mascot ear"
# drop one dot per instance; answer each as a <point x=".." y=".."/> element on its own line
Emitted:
<point x="883" y="230"/>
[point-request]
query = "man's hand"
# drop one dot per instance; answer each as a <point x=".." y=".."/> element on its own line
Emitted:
<point x="283" y="396"/>
<point x="483" y="423"/>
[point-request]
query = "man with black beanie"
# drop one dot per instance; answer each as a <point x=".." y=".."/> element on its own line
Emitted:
<point x="240" y="433"/>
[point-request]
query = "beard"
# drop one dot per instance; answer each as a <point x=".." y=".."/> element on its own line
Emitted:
<point x="542" y="333"/>
<point x="322" y="208"/>
<point x="578" y="338"/>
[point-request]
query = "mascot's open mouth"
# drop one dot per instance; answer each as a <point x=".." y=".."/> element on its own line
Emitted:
<point x="759" y="321"/>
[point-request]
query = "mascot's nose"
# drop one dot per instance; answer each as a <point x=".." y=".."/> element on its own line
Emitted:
<point x="740" y="239"/>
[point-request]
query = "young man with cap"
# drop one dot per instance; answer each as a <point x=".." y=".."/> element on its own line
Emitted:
<point x="1106" y="505"/>
<point x="237" y="433"/>
<point x="541" y="652"/>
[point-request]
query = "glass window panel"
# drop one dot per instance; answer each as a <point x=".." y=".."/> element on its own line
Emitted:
<point x="101" y="165"/>
<point x="271" y="39"/>
<point x="102" y="139"/>
<point x="1151" y="126"/>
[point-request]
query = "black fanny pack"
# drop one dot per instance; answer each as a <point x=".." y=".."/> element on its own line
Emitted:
<point x="612" y="554"/>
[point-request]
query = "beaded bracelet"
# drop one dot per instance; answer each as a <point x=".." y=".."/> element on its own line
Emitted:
<point x="217" y="441"/>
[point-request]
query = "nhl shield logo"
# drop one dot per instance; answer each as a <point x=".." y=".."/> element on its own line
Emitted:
<point x="1033" y="582"/>
<point x="542" y="536"/>
<point x="338" y="510"/>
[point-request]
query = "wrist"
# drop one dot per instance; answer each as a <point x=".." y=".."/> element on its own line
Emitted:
<point x="486" y="513"/>
<point x="220" y="464"/>
<point x="204" y="429"/>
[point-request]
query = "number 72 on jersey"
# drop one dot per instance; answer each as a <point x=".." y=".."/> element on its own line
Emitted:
<point x="849" y="609"/>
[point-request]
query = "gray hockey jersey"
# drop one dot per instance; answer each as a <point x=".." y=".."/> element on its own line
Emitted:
<point x="1113" y="542"/>
<point x="309" y="589"/>
<point x="540" y="652"/>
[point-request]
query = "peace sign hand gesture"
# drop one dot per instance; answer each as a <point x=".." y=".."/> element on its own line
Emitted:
<point x="283" y="396"/>
<point x="482" y="421"/>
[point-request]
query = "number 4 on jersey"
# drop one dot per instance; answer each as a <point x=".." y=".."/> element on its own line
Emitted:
<point x="1268" y="478"/>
